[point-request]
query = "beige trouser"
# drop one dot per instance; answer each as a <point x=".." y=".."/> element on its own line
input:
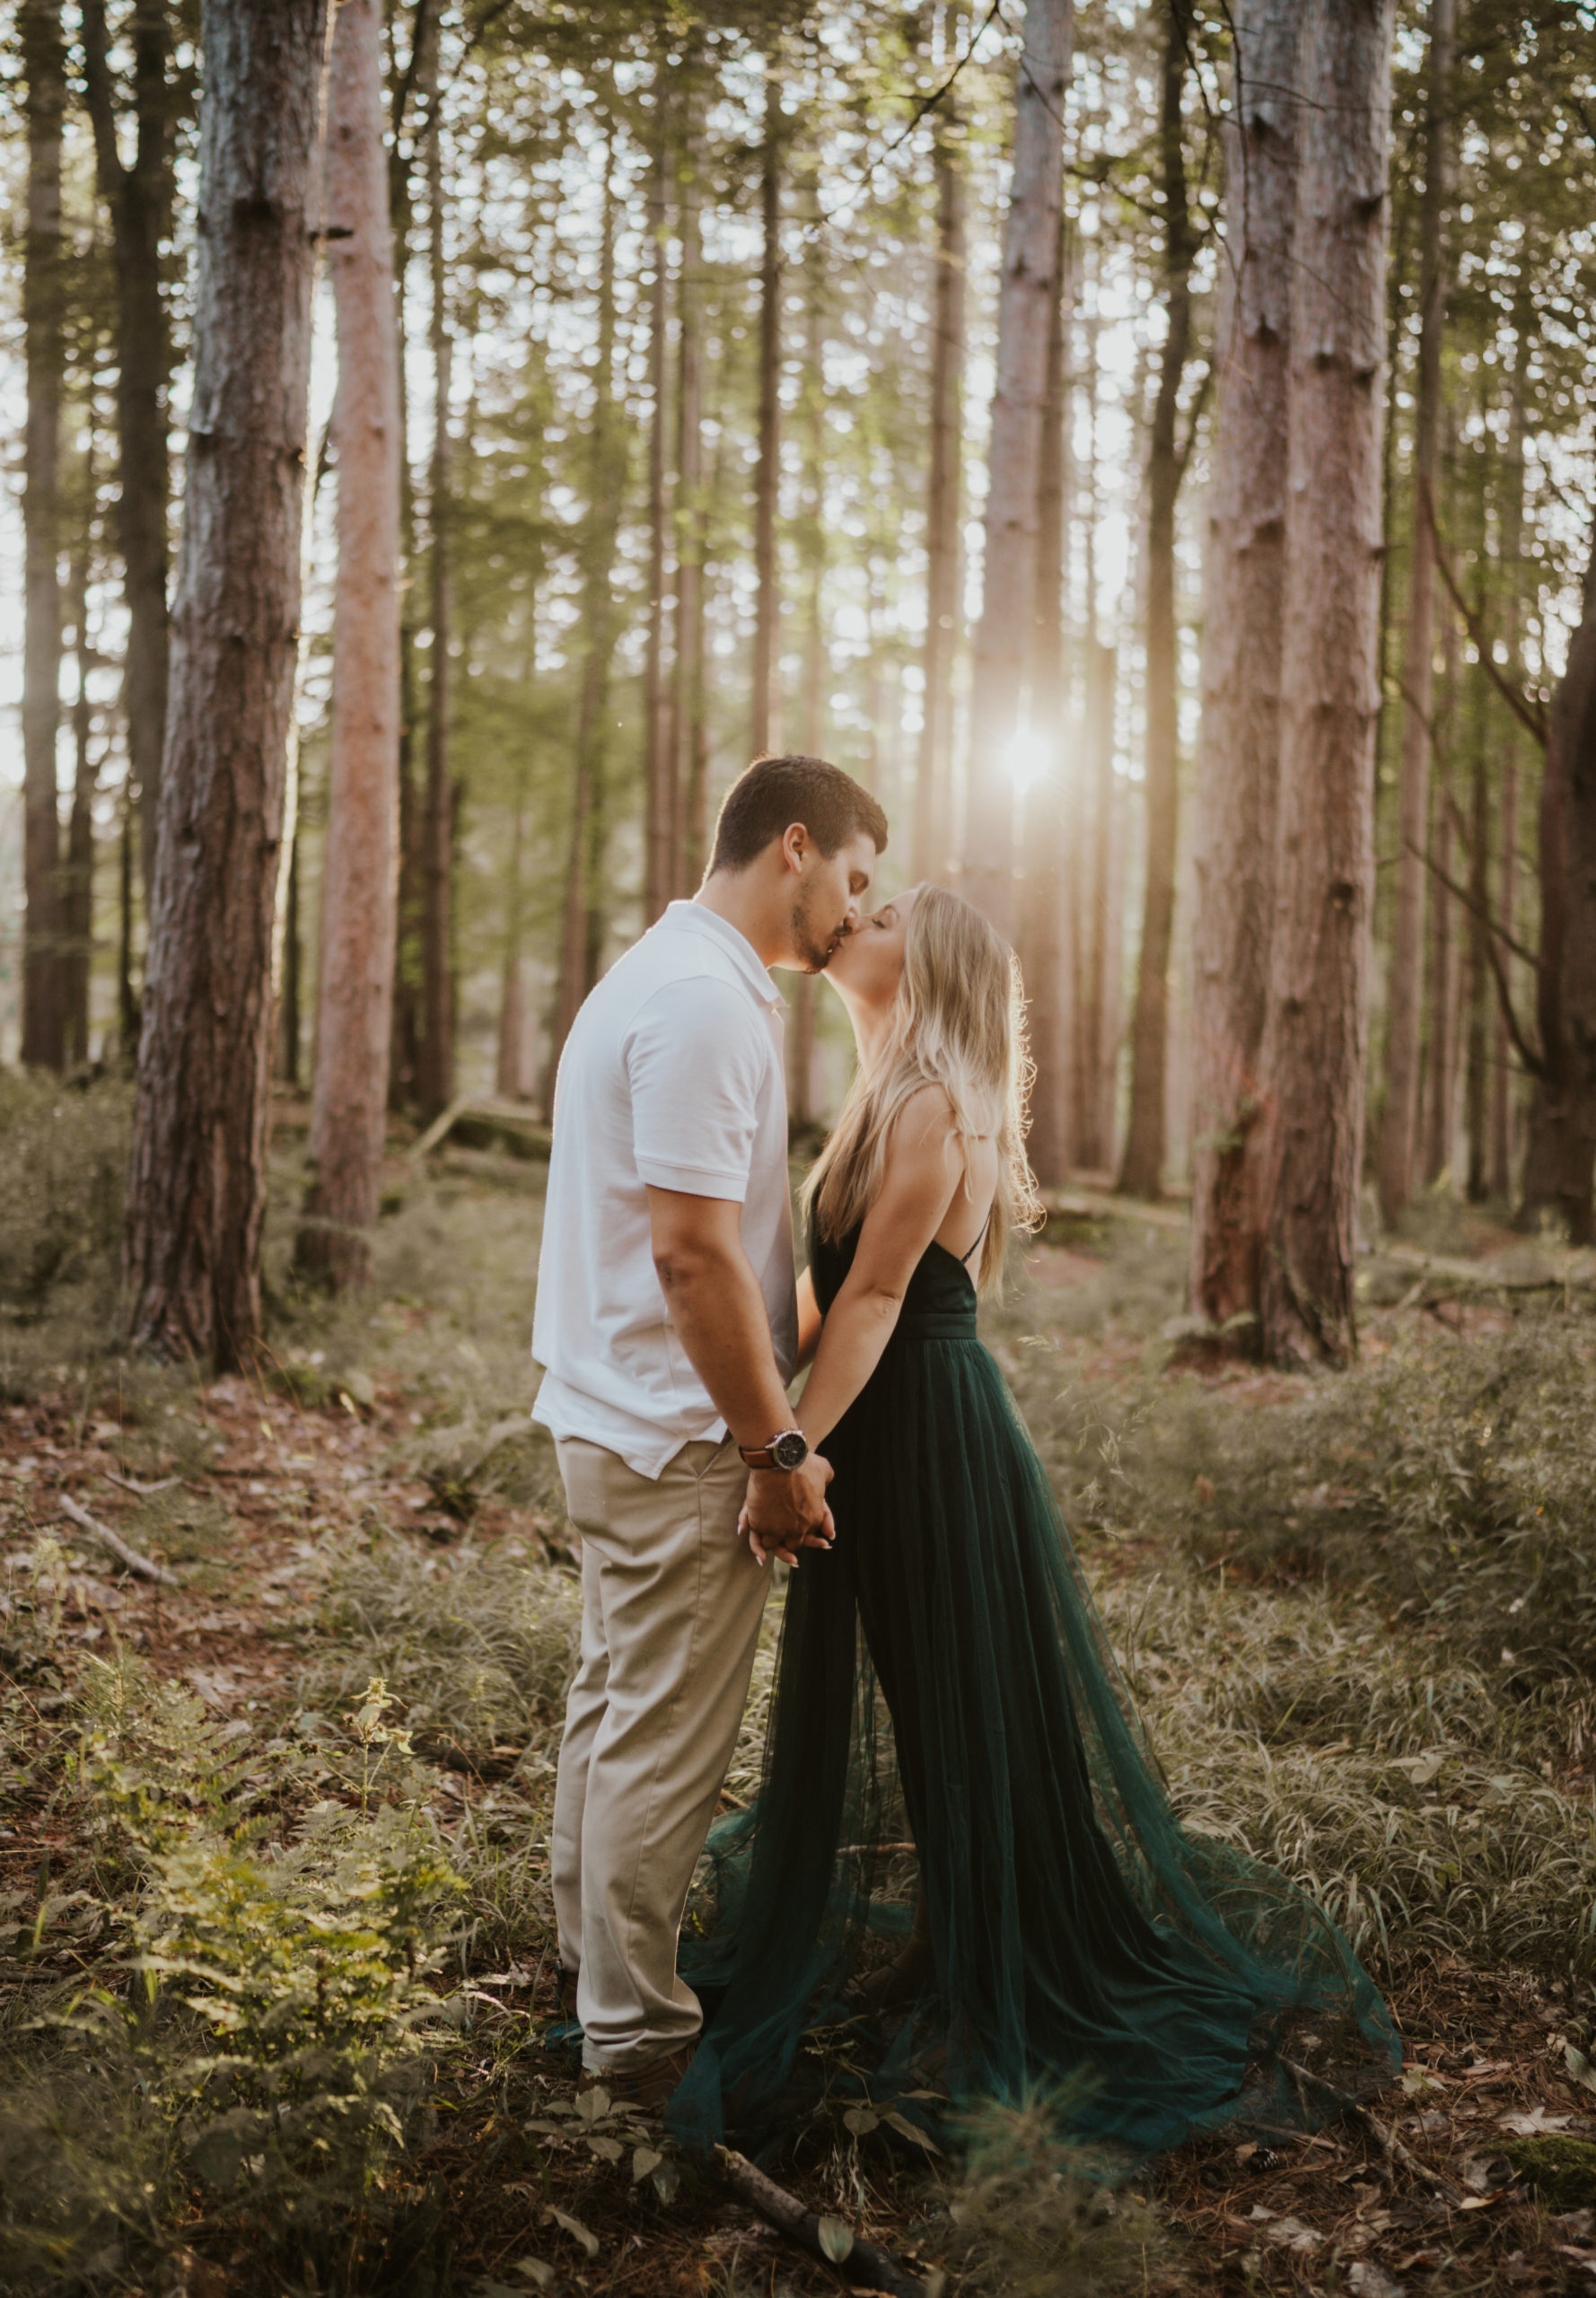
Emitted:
<point x="670" y="1606"/>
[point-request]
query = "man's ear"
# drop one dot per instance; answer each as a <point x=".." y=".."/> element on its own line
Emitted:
<point x="794" y="846"/>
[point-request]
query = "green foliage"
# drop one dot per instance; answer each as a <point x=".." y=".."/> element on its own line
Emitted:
<point x="63" y="1159"/>
<point x="1033" y="2214"/>
<point x="1562" y="2170"/>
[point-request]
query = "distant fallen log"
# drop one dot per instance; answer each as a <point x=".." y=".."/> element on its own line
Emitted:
<point x="129" y="1557"/>
<point x="1476" y="1276"/>
<point x="509" y="1123"/>
<point x="1079" y="1202"/>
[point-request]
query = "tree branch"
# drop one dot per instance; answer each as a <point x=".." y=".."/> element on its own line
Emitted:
<point x="1535" y="1063"/>
<point x="1527" y="713"/>
<point x="99" y="99"/>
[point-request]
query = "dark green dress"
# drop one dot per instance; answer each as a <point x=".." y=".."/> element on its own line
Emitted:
<point x="948" y="1713"/>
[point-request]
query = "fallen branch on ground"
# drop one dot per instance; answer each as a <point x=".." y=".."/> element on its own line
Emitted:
<point x="1399" y="2156"/>
<point x="129" y="1557"/>
<point x="822" y="2238"/>
<point x="131" y="1484"/>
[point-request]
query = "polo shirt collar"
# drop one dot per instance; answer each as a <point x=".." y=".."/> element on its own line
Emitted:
<point x="693" y="917"/>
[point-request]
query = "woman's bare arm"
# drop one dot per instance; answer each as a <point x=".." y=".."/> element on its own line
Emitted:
<point x="809" y="1318"/>
<point x="924" y="1170"/>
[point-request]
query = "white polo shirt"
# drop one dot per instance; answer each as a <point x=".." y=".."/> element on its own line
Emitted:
<point x="673" y="1075"/>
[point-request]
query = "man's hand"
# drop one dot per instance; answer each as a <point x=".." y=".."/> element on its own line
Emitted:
<point x="786" y="1511"/>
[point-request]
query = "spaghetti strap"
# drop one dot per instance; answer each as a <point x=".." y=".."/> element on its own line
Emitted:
<point x="964" y="1258"/>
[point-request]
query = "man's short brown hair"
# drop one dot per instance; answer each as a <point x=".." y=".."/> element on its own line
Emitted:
<point x="774" y="792"/>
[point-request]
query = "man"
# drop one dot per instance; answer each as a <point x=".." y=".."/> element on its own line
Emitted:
<point x="667" y="1325"/>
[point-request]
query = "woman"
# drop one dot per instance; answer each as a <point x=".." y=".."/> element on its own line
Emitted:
<point x="1066" y="1932"/>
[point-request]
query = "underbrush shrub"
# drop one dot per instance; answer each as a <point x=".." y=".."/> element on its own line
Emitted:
<point x="1033" y="2213"/>
<point x="63" y="1164"/>
<point x="1458" y="1480"/>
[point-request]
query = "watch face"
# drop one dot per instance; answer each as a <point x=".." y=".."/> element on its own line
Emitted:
<point x="789" y="1451"/>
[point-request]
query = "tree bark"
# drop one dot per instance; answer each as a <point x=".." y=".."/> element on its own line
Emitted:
<point x="1008" y="576"/>
<point x="1507" y="896"/>
<point x="1399" y="1127"/>
<point x="436" y="1066"/>
<point x="811" y="537"/>
<point x="1558" y="1160"/>
<point x="662" y="867"/>
<point x="360" y="851"/>
<point x="1044" y="879"/>
<point x="1141" y="1174"/>
<point x="1479" y="998"/>
<point x="1239" y="751"/>
<point x="606" y="485"/>
<point x="513" y="1073"/>
<point x="78" y="878"/>
<point x="44" y="68"/>
<point x="944" y="553"/>
<point x="196" y="1188"/>
<point x="690" y="732"/>
<point x="290" y="1012"/>
<point x="767" y="475"/>
<point x="405" y="1038"/>
<point x="1437" y="1129"/>
<point x="139" y="200"/>
<point x="1315" y="1032"/>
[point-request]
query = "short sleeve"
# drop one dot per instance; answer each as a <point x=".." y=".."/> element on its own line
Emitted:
<point x="695" y="1058"/>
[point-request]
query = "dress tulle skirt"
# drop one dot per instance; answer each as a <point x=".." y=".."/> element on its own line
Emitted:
<point x="947" y="1718"/>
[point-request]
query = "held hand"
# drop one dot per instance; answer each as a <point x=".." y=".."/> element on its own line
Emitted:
<point x="785" y="1512"/>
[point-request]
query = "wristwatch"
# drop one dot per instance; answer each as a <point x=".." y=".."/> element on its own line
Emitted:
<point x="788" y="1450"/>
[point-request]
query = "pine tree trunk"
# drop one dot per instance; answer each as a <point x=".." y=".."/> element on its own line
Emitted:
<point x="1045" y="922"/>
<point x="1437" y="1128"/>
<point x="1239" y="751"/>
<point x="1399" y="1127"/>
<point x="1507" y="893"/>
<point x="1562" y="1144"/>
<point x="512" y="1078"/>
<point x="404" y="1065"/>
<point x="44" y="68"/>
<point x="1142" y="1171"/>
<point x="800" y="1034"/>
<point x="289" y="1013"/>
<point x="436" y="1078"/>
<point x="359" y="851"/>
<point x="689" y="731"/>
<point x="944" y="554"/>
<point x="1312" y="1065"/>
<point x="78" y="878"/>
<point x="583" y="907"/>
<point x="762" y="726"/>
<point x="139" y="200"/>
<point x="1479" y="995"/>
<point x="662" y="867"/>
<point x="1008" y="577"/>
<point x="197" y="1186"/>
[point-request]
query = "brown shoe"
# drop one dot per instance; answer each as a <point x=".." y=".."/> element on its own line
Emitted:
<point x="647" y="2086"/>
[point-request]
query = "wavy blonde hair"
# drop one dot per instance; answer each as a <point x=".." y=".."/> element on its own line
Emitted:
<point x="959" y="1022"/>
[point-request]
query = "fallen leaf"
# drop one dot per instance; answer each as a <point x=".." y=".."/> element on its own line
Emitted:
<point x="1531" y="2125"/>
<point x="836" y="2240"/>
<point x="1580" y="2069"/>
<point x="1370" y="2281"/>
<point x="1291" y="2234"/>
<point x="575" y="2227"/>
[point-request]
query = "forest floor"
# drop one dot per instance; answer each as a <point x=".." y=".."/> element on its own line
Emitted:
<point x="372" y="1504"/>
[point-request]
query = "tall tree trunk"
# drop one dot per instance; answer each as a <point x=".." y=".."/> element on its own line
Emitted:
<point x="801" y="1036"/>
<point x="404" y="1066"/>
<point x="44" y="68"/>
<point x="689" y="733"/>
<point x="1008" y="576"/>
<point x="127" y="1003"/>
<point x="1398" y="1131"/>
<point x="1437" y="1131"/>
<point x="435" y="1068"/>
<point x="1479" y="995"/>
<point x="1142" y="1171"/>
<point x="944" y="554"/>
<point x="662" y="867"/>
<point x="1239" y="751"/>
<point x="1044" y="880"/>
<point x="360" y="851"/>
<point x="197" y="1186"/>
<point x="606" y="485"/>
<point x="1315" y="1029"/>
<point x="78" y="878"/>
<point x="1558" y="1163"/>
<point x="290" y="1002"/>
<point x="139" y="200"/>
<point x="767" y="475"/>
<point x="513" y="1077"/>
<point x="1507" y="894"/>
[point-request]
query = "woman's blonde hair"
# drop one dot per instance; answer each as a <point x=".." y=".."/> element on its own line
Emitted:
<point x="959" y="1022"/>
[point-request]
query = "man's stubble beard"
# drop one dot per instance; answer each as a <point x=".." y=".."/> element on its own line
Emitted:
<point x="815" y="952"/>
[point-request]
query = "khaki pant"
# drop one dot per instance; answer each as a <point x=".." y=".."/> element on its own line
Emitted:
<point x="670" y="1606"/>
